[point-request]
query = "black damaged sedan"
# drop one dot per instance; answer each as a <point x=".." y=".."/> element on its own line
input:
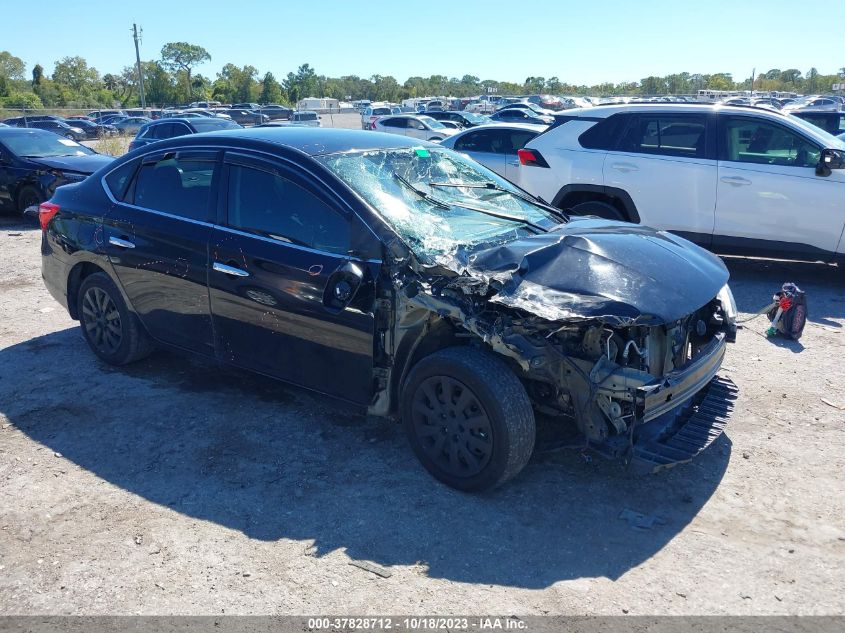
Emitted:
<point x="34" y="162"/>
<point x="407" y="280"/>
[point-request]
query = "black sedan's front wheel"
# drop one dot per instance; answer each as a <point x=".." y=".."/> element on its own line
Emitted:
<point x="468" y="418"/>
<point x="111" y="330"/>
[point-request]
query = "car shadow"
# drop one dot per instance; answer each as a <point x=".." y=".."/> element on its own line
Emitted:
<point x="11" y="221"/>
<point x="754" y="281"/>
<point x="274" y="462"/>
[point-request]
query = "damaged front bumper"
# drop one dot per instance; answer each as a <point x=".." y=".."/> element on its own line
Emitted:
<point x="676" y="387"/>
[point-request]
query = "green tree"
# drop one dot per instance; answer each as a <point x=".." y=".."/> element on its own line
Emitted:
<point x="176" y="56"/>
<point x="37" y="76"/>
<point x="534" y="84"/>
<point x="271" y="90"/>
<point x="653" y="86"/>
<point x="74" y="73"/>
<point x="791" y="76"/>
<point x="11" y="67"/>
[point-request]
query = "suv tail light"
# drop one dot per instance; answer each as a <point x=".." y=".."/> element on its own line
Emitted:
<point x="46" y="212"/>
<point x="531" y="158"/>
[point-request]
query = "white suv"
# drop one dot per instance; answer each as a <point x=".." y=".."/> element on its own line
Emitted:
<point x="736" y="180"/>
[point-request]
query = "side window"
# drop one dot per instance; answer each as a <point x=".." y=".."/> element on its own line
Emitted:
<point x="180" y="187"/>
<point x="667" y="135"/>
<point x="118" y="180"/>
<point x="499" y="141"/>
<point x="474" y="142"/>
<point x="413" y="124"/>
<point x="265" y="203"/>
<point x="518" y="140"/>
<point x="178" y="129"/>
<point x="764" y="143"/>
<point x="604" y="134"/>
<point x="399" y="123"/>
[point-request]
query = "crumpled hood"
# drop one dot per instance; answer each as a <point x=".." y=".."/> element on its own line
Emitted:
<point x="591" y="268"/>
<point x="83" y="164"/>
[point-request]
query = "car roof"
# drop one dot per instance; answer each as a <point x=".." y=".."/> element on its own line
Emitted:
<point x="21" y="131"/>
<point x="315" y="141"/>
<point x="530" y="127"/>
<point x="602" y="111"/>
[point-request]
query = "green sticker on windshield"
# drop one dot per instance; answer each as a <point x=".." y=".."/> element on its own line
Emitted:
<point x="421" y="152"/>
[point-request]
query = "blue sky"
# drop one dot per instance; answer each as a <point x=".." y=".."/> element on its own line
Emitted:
<point x="509" y="40"/>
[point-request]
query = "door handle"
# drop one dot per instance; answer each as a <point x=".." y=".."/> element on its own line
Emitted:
<point x="625" y="167"/>
<point x="229" y="270"/>
<point x="121" y="243"/>
<point x="513" y="163"/>
<point x="736" y="181"/>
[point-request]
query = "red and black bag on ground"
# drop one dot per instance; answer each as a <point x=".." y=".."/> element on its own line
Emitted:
<point x="793" y="302"/>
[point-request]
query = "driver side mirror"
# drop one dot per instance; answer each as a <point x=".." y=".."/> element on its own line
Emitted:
<point x="342" y="286"/>
<point x="830" y="159"/>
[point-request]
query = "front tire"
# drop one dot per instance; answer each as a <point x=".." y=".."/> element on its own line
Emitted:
<point x="112" y="331"/>
<point x="468" y="418"/>
<point x="29" y="197"/>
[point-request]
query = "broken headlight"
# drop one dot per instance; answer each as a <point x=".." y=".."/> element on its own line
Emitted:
<point x="728" y="303"/>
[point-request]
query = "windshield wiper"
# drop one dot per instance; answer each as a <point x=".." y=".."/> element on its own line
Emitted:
<point x="443" y="205"/>
<point x="502" y="216"/>
<point x="494" y="187"/>
<point x="422" y="194"/>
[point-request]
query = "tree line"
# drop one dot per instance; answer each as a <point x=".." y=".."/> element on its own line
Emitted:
<point x="171" y="80"/>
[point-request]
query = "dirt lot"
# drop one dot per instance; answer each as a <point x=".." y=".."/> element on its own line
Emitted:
<point x="173" y="486"/>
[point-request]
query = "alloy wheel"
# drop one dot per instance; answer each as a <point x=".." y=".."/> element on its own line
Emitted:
<point x="102" y="321"/>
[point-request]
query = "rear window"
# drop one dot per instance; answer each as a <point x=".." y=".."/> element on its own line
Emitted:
<point x="603" y="135"/>
<point x="381" y="111"/>
<point x="205" y="124"/>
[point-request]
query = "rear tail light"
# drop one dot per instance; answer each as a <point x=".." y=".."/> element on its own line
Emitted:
<point x="46" y="212"/>
<point x="531" y="158"/>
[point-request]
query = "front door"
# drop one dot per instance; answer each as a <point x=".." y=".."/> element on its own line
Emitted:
<point x="276" y="266"/>
<point x="156" y="237"/>
<point x="770" y="199"/>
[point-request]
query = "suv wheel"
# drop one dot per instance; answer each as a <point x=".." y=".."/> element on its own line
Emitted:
<point x="600" y="209"/>
<point x="468" y="418"/>
<point x="111" y="330"/>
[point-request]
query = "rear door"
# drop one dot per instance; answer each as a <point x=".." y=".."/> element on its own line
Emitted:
<point x="666" y="162"/>
<point x="284" y="295"/>
<point x="156" y="237"/>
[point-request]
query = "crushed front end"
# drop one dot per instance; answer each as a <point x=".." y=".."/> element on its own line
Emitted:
<point x="628" y="350"/>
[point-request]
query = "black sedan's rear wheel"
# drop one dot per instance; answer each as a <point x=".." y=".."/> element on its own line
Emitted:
<point x="468" y="418"/>
<point x="111" y="330"/>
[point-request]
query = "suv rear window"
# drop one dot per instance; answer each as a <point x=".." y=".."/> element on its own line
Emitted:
<point x="604" y="134"/>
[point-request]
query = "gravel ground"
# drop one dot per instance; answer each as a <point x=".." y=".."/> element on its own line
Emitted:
<point x="177" y="487"/>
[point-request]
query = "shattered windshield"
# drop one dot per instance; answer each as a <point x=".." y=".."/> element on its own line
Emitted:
<point x="439" y="201"/>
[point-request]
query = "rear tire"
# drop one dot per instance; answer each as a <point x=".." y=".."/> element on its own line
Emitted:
<point x="112" y="331"/>
<point x="468" y="418"/>
<point x="600" y="209"/>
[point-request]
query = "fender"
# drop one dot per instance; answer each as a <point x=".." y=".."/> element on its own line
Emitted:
<point x="581" y="193"/>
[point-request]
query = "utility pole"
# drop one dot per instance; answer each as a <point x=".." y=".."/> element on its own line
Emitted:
<point x="753" y="76"/>
<point x="138" y="64"/>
